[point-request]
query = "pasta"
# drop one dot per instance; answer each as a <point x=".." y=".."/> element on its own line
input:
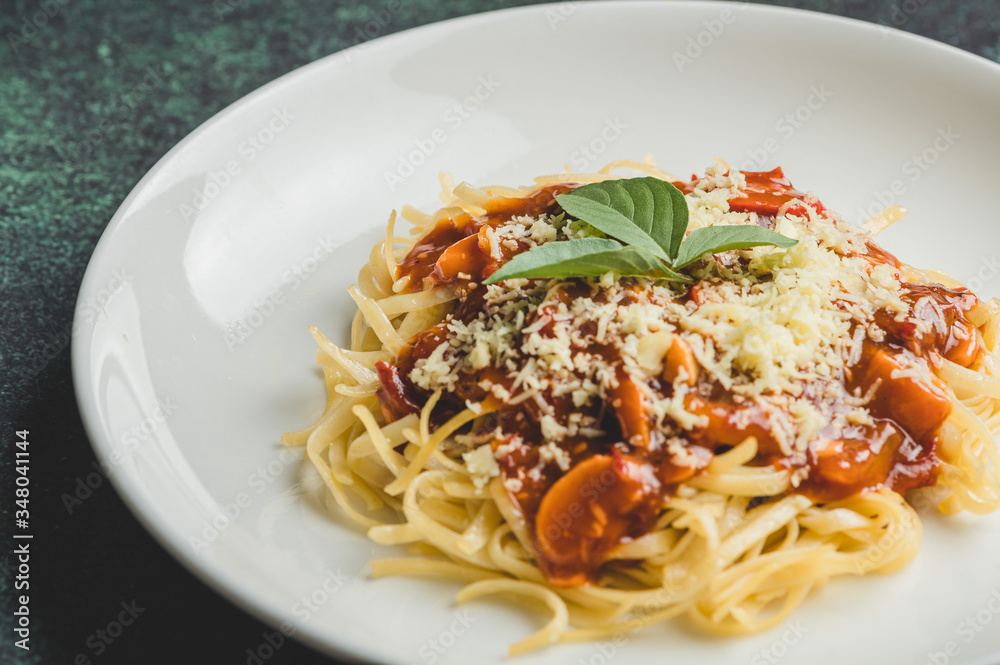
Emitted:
<point x="619" y="451"/>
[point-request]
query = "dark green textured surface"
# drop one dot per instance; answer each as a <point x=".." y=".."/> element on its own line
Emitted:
<point x="88" y="102"/>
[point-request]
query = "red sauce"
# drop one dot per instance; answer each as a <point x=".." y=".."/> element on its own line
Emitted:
<point x="598" y="504"/>
<point x="397" y="396"/>
<point x="877" y="255"/>
<point x="422" y="259"/>
<point x="951" y="334"/>
<point x="457" y="250"/>
<point x="767" y="191"/>
<point x="764" y="193"/>
<point x="615" y="485"/>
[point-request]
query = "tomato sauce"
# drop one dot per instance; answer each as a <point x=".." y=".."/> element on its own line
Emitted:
<point x="457" y="250"/>
<point x="764" y="193"/>
<point x="614" y="485"/>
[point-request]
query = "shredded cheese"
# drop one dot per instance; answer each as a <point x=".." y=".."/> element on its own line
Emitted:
<point x="775" y="327"/>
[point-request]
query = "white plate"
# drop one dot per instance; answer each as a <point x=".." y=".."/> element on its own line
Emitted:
<point x="265" y="213"/>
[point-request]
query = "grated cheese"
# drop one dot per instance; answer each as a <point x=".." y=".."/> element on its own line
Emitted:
<point x="550" y="452"/>
<point x="777" y="328"/>
<point x="482" y="465"/>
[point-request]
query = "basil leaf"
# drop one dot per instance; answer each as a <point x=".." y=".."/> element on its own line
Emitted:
<point x="536" y="261"/>
<point x="643" y="212"/>
<point x="680" y="221"/>
<point x="609" y="221"/>
<point x="649" y="217"/>
<point x="715" y="239"/>
<point x="628" y="262"/>
<point x="660" y="210"/>
<point x="584" y="257"/>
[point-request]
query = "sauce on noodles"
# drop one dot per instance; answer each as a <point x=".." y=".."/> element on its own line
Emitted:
<point x="614" y="485"/>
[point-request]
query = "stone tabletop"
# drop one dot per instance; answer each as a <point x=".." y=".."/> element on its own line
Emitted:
<point x="92" y="94"/>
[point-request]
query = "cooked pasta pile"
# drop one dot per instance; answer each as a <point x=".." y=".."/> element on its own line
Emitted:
<point x="619" y="451"/>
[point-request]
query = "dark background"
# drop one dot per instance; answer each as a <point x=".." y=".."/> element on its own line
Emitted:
<point x="92" y="94"/>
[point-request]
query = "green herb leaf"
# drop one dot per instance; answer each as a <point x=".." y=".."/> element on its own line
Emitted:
<point x="584" y="257"/>
<point x="642" y="212"/>
<point x="536" y="262"/>
<point x="668" y="211"/>
<point x="715" y="239"/>
<point x="646" y="219"/>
